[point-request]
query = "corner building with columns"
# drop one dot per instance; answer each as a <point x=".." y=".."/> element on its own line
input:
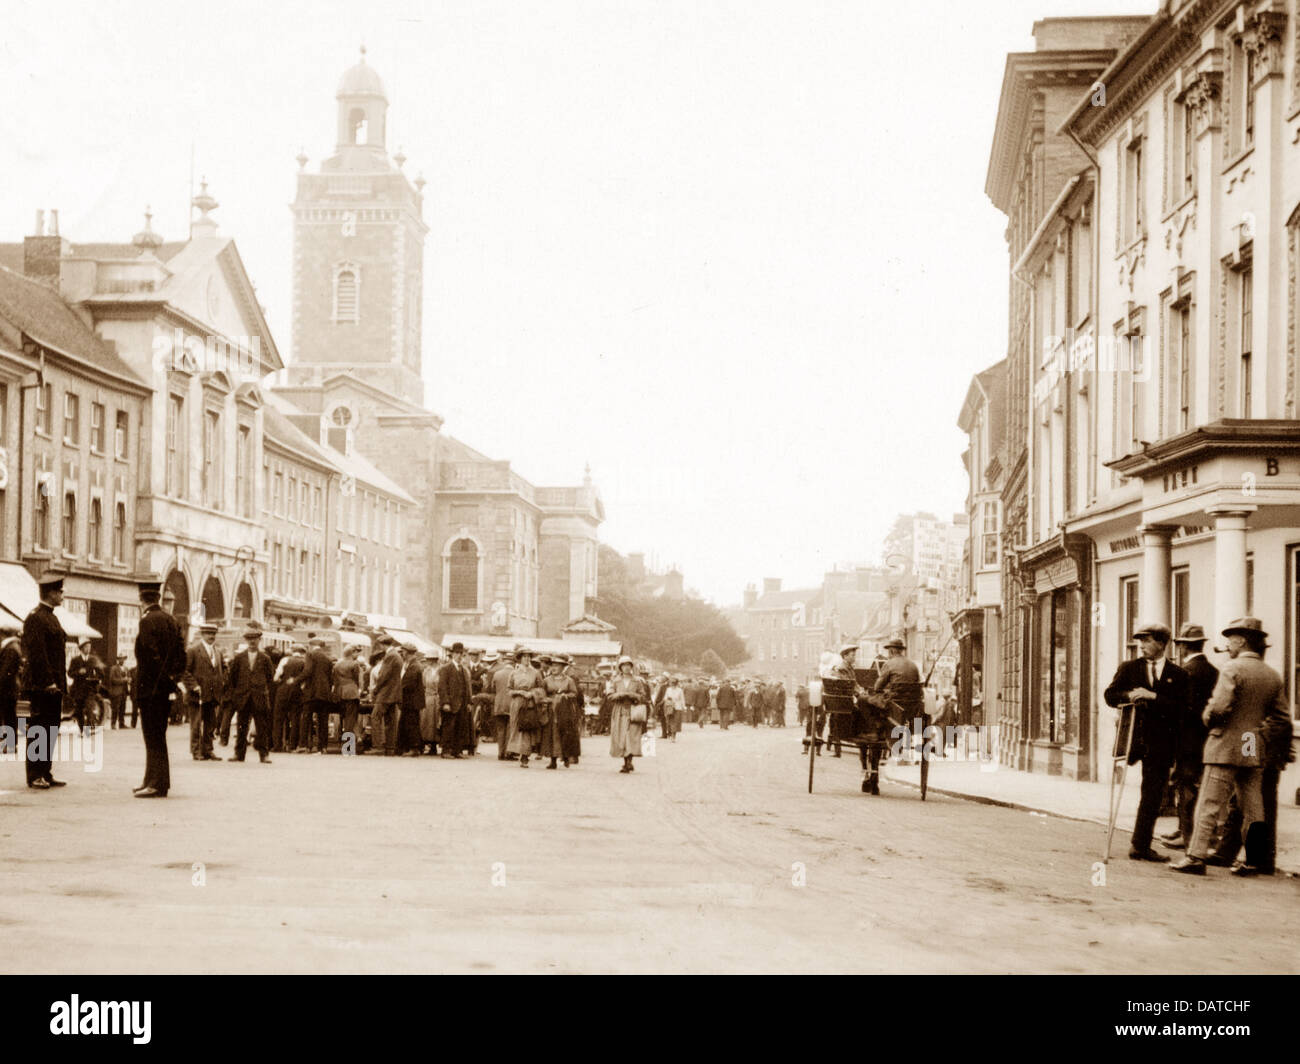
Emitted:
<point x="1189" y="446"/>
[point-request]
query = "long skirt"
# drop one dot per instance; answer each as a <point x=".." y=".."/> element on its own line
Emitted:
<point x="624" y="735"/>
<point x="521" y="742"/>
<point x="568" y="723"/>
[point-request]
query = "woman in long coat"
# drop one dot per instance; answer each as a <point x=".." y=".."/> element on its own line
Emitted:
<point x="526" y="694"/>
<point x="560" y="729"/>
<point x="626" y="690"/>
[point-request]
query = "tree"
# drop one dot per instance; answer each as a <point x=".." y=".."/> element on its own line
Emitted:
<point x="674" y="631"/>
<point x="712" y="664"/>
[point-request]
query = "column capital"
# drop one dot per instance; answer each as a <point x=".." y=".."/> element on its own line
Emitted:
<point x="1167" y="531"/>
<point x="1243" y="510"/>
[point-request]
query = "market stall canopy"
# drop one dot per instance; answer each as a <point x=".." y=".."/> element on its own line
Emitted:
<point x="424" y="646"/>
<point x="578" y="648"/>
<point x="19" y="595"/>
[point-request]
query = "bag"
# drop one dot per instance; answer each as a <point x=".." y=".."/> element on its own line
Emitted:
<point x="637" y="714"/>
<point x="527" y="719"/>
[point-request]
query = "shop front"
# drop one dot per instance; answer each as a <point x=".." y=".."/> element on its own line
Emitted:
<point x="1056" y="724"/>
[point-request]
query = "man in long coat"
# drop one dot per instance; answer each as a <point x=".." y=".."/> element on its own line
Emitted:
<point x="726" y="703"/>
<point x="160" y="659"/>
<point x="1250" y="727"/>
<point x="1201" y="678"/>
<point x="500" y="681"/>
<point x="204" y="682"/>
<point x="46" y="682"/>
<point x="453" y="701"/>
<point x="409" y="740"/>
<point x="386" y="700"/>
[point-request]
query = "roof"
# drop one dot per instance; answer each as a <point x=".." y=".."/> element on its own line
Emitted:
<point x="361" y="80"/>
<point x="39" y="312"/>
<point x="588" y="623"/>
<point x="278" y="426"/>
<point x="783" y="600"/>
<point x="19" y="595"/>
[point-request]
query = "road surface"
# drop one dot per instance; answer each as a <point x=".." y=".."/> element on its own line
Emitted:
<point x="710" y="857"/>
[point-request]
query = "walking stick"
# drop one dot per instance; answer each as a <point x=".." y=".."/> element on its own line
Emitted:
<point x="1119" y="755"/>
<point x="814" y="704"/>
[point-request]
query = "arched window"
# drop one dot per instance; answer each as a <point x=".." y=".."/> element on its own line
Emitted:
<point x="346" y="301"/>
<point x="462" y="575"/>
<point x="357" y="126"/>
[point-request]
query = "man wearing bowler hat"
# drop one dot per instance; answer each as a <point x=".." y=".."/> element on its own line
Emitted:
<point x="1201" y="677"/>
<point x="1157" y="688"/>
<point x="46" y="681"/>
<point x="249" y="682"/>
<point x="160" y="658"/>
<point x="1250" y="725"/>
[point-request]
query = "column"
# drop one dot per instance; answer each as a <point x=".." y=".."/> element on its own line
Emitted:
<point x="1155" y="574"/>
<point x="1229" y="564"/>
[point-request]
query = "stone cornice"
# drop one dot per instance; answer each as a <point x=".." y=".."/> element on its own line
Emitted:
<point x="1218" y="437"/>
<point x="1143" y="66"/>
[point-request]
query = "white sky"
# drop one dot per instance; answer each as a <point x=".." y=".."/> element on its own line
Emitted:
<point x="737" y="255"/>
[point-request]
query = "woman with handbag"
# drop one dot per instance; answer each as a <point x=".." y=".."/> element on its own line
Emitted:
<point x="629" y="712"/>
<point x="560" y="728"/>
<point x="526" y="697"/>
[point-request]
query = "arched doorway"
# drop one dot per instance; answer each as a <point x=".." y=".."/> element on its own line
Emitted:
<point x="214" y="602"/>
<point x="176" y="596"/>
<point x="243" y="603"/>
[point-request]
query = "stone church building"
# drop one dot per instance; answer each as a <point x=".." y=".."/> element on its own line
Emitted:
<point x="488" y="553"/>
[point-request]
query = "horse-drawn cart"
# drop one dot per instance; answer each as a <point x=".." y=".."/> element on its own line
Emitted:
<point x="872" y="723"/>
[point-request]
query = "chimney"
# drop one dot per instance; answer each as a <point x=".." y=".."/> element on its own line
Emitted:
<point x="44" y="252"/>
<point x="751" y="597"/>
<point x="771" y="585"/>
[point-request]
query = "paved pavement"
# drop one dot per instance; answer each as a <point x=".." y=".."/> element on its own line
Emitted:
<point x="1029" y="791"/>
<point x="711" y="857"/>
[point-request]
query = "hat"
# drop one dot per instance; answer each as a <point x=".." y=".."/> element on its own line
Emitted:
<point x="1156" y="630"/>
<point x="1190" y="633"/>
<point x="458" y="648"/>
<point x="52" y="579"/>
<point x="849" y="646"/>
<point x="297" y="648"/>
<point x="1246" y="626"/>
<point x="521" y="651"/>
<point x="207" y="627"/>
<point x="121" y="657"/>
<point x="895" y="644"/>
<point x="252" y="633"/>
<point x="625" y="660"/>
<point x="488" y="658"/>
<point x="149" y="585"/>
<point x="410" y="648"/>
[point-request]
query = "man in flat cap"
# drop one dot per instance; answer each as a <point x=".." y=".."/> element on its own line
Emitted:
<point x="1250" y="729"/>
<point x="1158" y="690"/>
<point x="386" y="699"/>
<point x="1201" y="678"/>
<point x="160" y="659"/>
<point x="249" y="682"/>
<point x="46" y="681"/>
<point x="204" y="683"/>
<point x="85" y="676"/>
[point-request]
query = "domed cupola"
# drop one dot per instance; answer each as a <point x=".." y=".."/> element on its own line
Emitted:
<point x="363" y="107"/>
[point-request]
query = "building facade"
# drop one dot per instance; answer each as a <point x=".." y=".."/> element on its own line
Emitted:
<point x="485" y="551"/>
<point x="1030" y="166"/>
<point x="1193" y="462"/>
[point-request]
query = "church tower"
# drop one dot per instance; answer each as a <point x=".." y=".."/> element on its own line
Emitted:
<point x="358" y="253"/>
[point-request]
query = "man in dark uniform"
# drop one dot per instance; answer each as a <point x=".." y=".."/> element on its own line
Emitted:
<point x="11" y="662"/>
<point x="409" y="739"/>
<point x="1158" y="690"/>
<point x="46" y="683"/>
<point x="160" y="658"/>
<point x="249" y="682"/>
<point x="726" y="703"/>
<point x="204" y="681"/>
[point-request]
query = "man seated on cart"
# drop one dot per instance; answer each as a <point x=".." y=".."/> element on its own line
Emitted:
<point x="898" y="699"/>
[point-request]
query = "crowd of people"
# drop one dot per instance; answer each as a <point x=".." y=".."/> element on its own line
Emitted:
<point x="1220" y="737"/>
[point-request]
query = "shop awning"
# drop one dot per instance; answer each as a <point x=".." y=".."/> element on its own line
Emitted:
<point x="580" y="648"/>
<point x="19" y="595"/>
<point x="424" y="646"/>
